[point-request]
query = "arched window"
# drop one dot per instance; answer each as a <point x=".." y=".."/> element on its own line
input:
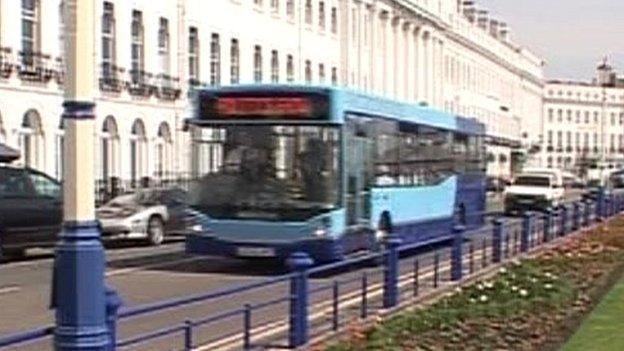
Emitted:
<point x="109" y="148"/>
<point x="163" y="151"/>
<point x="138" y="152"/>
<point x="31" y="140"/>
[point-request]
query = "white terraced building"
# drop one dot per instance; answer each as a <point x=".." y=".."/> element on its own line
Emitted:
<point x="584" y="123"/>
<point x="150" y="53"/>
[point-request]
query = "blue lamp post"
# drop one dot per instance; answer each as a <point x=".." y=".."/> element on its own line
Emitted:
<point x="79" y="293"/>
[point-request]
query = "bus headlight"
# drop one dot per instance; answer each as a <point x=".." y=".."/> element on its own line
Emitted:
<point x="197" y="228"/>
<point x="320" y="232"/>
<point x="380" y="235"/>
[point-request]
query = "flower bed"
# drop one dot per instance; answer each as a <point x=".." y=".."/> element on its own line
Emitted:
<point x="534" y="304"/>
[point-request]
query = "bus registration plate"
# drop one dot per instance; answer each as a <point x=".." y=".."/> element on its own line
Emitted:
<point x="256" y="252"/>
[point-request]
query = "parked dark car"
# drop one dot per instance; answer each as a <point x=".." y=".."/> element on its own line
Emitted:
<point x="31" y="210"/>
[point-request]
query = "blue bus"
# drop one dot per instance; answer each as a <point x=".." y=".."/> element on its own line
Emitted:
<point x="283" y="168"/>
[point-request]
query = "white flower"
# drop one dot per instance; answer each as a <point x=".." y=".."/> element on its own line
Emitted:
<point x="548" y="275"/>
<point x="483" y="298"/>
<point x="523" y="293"/>
<point x="533" y="280"/>
<point x="458" y="289"/>
<point x="548" y="286"/>
<point x="503" y="270"/>
<point x="488" y="285"/>
<point x="514" y="288"/>
<point x="472" y="300"/>
<point x="516" y="262"/>
<point x="479" y="286"/>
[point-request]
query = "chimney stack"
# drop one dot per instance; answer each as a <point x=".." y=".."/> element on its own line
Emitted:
<point x="469" y="10"/>
<point x="483" y="19"/>
<point x="503" y="32"/>
<point x="494" y="28"/>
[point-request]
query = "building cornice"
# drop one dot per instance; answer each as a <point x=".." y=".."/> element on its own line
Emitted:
<point x="422" y="15"/>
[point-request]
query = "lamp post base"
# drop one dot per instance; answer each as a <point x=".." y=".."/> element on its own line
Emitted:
<point x="78" y="291"/>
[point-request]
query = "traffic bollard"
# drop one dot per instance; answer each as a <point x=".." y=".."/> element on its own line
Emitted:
<point x="526" y="232"/>
<point x="113" y="302"/>
<point x="456" y="253"/>
<point x="391" y="272"/>
<point x="576" y="216"/>
<point x="298" y="262"/>
<point x="564" y="220"/>
<point x="548" y="223"/>
<point x="497" y="240"/>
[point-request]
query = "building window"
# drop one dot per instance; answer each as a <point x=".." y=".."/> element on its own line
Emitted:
<point x="550" y="115"/>
<point x="569" y="115"/>
<point x="275" y="5"/>
<point x="308" y="12"/>
<point x="257" y="63"/>
<point x="274" y="67"/>
<point x="568" y="139"/>
<point x="109" y="148"/>
<point x="234" y="62"/>
<point x="612" y="118"/>
<point x="163" y="151"/>
<point x="138" y="152"/>
<point x="163" y="45"/>
<point x="30" y="31"/>
<point x="290" y="69"/>
<point x="334" y="76"/>
<point x="549" y="139"/>
<point x="595" y="117"/>
<point x="290" y="8"/>
<point x="308" y="71"/>
<point x="31" y="140"/>
<point x="215" y="60"/>
<point x="321" y="68"/>
<point x="193" y="55"/>
<point x="321" y="15"/>
<point x="258" y="3"/>
<point x="578" y="116"/>
<point x="137" y="55"/>
<point x="586" y="117"/>
<point x="334" y="20"/>
<point x="108" y="40"/>
<point x="559" y="115"/>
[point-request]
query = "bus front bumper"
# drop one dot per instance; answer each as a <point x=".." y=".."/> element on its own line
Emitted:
<point x="320" y="249"/>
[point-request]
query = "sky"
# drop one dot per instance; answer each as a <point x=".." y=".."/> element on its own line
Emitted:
<point x="571" y="35"/>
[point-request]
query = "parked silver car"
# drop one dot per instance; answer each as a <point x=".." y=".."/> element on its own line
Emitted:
<point x="148" y="214"/>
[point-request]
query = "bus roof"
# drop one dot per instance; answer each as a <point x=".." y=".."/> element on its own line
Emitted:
<point x="347" y="101"/>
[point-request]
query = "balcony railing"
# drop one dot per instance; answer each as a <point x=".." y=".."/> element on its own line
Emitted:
<point x="35" y="67"/>
<point x="109" y="81"/>
<point x="139" y="84"/>
<point x="169" y="87"/>
<point x="6" y="62"/>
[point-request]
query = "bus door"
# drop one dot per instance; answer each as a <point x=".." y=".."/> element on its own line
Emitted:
<point x="358" y="151"/>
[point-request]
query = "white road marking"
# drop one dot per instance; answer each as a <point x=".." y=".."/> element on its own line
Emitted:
<point x="9" y="289"/>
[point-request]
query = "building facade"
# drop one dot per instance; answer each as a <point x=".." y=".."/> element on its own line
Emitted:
<point x="452" y="56"/>
<point x="584" y="123"/>
<point x="150" y="54"/>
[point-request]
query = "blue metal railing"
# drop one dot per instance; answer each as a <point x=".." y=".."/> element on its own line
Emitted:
<point x="310" y="302"/>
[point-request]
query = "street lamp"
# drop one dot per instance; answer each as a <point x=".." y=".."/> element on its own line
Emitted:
<point x="78" y="290"/>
